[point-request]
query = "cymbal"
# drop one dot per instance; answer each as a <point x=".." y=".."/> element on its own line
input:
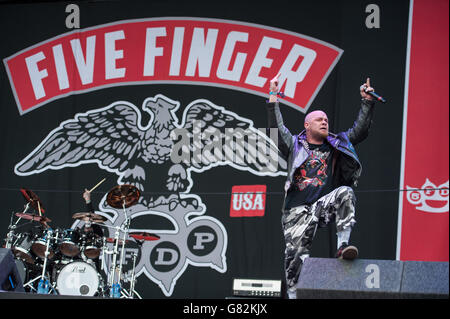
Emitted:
<point x="33" y="199"/>
<point x="144" y="236"/>
<point x="123" y="194"/>
<point x="87" y="216"/>
<point x="36" y="218"/>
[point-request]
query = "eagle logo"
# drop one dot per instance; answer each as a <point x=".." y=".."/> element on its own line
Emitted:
<point x="114" y="138"/>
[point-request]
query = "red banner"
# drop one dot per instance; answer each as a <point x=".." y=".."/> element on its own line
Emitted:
<point x="230" y="54"/>
<point x="424" y="208"/>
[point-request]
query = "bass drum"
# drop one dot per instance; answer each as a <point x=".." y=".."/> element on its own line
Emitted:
<point x="78" y="279"/>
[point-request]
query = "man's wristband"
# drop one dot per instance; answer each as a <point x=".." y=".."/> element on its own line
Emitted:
<point x="280" y="94"/>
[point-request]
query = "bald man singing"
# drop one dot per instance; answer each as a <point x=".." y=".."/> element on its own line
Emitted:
<point x="322" y="168"/>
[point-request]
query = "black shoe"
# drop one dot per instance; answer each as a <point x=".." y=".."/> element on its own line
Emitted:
<point x="347" y="252"/>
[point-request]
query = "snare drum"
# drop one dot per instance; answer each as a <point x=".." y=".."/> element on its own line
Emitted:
<point x="22" y="248"/>
<point x="78" y="279"/>
<point x="39" y="245"/>
<point x="70" y="243"/>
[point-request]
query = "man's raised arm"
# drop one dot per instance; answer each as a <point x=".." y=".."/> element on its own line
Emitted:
<point x="275" y="119"/>
<point x="361" y="126"/>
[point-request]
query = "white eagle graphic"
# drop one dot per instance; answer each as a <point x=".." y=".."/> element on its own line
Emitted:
<point x="114" y="138"/>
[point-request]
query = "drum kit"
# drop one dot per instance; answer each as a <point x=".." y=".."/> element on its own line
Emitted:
<point x="67" y="261"/>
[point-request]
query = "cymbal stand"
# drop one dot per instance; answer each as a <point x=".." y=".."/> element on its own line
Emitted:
<point x="105" y="251"/>
<point x="45" y="285"/>
<point x="113" y="280"/>
<point x="132" y="282"/>
<point x="125" y="235"/>
<point x="116" y="287"/>
<point x="12" y="227"/>
<point x="103" y="265"/>
<point x="113" y="267"/>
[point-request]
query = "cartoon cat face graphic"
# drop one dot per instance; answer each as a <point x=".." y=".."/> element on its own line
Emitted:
<point x="430" y="198"/>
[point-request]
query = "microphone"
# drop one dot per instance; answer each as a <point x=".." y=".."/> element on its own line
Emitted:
<point x="376" y="96"/>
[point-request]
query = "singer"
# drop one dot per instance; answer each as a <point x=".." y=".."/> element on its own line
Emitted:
<point x="322" y="168"/>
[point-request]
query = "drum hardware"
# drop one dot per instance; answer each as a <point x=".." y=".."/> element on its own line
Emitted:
<point x="13" y="226"/>
<point x="22" y="248"/>
<point x="78" y="278"/>
<point x="112" y="240"/>
<point x="44" y="285"/>
<point x="40" y="243"/>
<point x="144" y="236"/>
<point x="121" y="196"/>
<point x="116" y="290"/>
<point x="112" y="286"/>
<point x="132" y="291"/>
<point x="90" y="242"/>
<point x="91" y="245"/>
<point x="122" y="251"/>
<point x="89" y="217"/>
<point x="65" y="252"/>
<point x="35" y="218"/>
<point x="114" y="276"/>
<point x="69" y="246"/>
<point x="24" y="242"/>
<point x="33" y="200"/>
<point x="140" y="238"/>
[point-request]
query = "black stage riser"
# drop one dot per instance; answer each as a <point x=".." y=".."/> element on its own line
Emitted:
<point x="323" y="278"/>
<point x="23" y="295"/>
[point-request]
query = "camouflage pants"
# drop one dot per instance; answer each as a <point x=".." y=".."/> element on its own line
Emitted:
<point x="300" y="224"/>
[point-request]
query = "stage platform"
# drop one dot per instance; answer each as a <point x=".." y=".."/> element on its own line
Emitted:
<point x="329" y="278"/>
<point x="24" y="295"/>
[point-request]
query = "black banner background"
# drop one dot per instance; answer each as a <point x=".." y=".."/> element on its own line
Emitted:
<point x="255" y="244"/>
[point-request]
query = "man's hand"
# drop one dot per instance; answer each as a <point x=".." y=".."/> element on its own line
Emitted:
<point x="274" y="83"/>
<point x="87" y="196"/>
<point x="366" y="88"/>
<point x="274" y="88"/>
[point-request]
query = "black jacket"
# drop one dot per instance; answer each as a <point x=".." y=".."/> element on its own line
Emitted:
<point x="346" y="165"/>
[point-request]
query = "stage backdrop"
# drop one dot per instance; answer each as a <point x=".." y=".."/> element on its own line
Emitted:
<point x="152" y="93"/>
